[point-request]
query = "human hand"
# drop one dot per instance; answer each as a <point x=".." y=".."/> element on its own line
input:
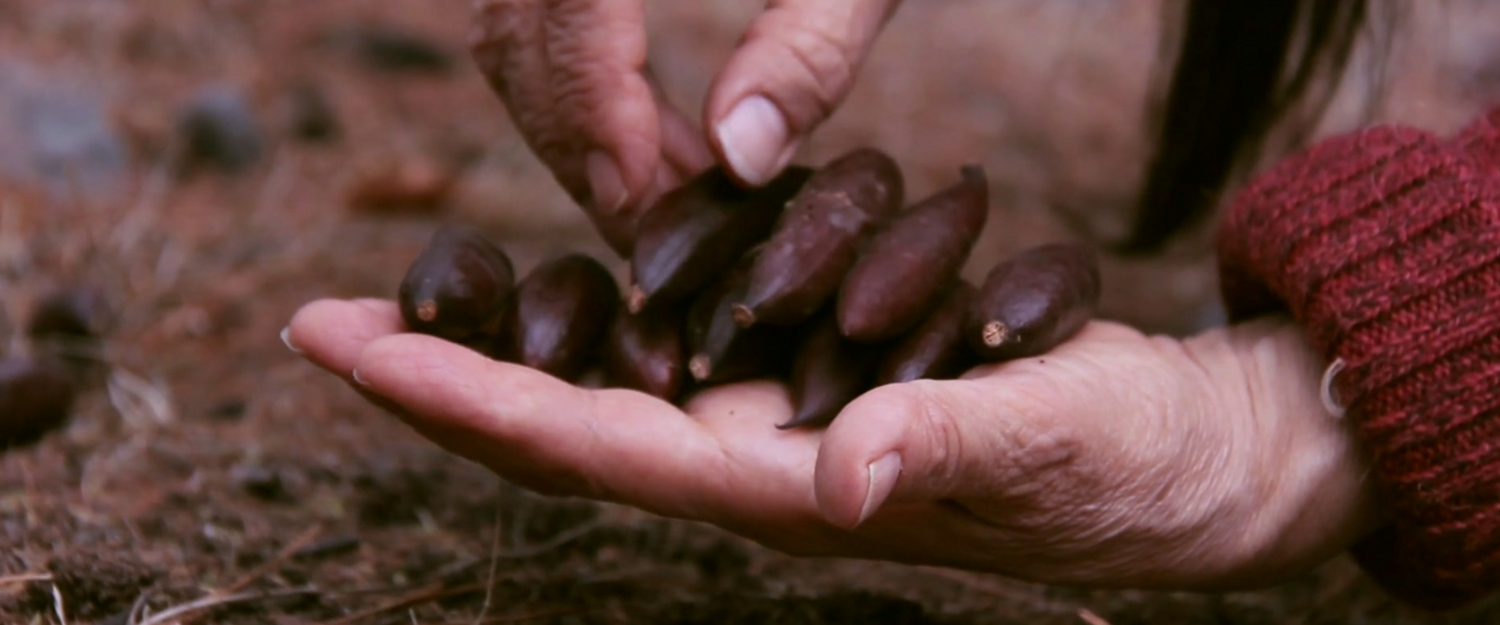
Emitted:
<point x="573" y="76"/>
<point x="1117" y="460"/>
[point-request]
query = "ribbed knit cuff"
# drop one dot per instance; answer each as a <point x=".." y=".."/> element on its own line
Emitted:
<point x="1480" y="142"/>
<point x="1383" y="245"/>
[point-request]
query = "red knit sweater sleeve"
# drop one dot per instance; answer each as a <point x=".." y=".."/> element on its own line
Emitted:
<point x="1383" y="245"/>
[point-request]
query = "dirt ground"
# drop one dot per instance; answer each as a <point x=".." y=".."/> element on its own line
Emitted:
<point x="207" y="463"/>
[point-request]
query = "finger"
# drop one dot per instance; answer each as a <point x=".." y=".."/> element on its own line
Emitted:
<point x="508" y="42"/>
<point x="793" y="67"/>
<point x="995" y="436"/>
<point x="612" y="444"/>
<point x="682" y="143"/>
<point x="569" y="72"/>
<point x="909" y="442"/>
<point x="331" y="333"/>
<point x="684" y="152"/>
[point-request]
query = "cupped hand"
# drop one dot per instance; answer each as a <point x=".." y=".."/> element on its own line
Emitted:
<point x="573" y="77"/>
<point x="1118" y="460"/>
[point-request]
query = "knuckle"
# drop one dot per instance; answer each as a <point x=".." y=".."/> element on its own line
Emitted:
<point x="497" y="25"/>
<point x="1015" y="445"/>
<point x="1036" y="442"/>
<point x="943" y="439"/>
<point x="819" y="58"/>
<point x="574" y="90"/>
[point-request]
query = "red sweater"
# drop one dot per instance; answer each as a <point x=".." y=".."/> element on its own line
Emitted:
<point x="1384" y="244"/>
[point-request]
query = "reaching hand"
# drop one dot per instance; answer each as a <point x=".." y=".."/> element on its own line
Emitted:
<point x="1118" y="460"/>
<point x="573" y="76"/>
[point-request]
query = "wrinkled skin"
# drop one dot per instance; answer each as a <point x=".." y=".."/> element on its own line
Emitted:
<point x="1119" y="460"/>
<point x="573" y="76"/>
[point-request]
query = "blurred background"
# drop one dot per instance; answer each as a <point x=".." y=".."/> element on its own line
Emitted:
<point x="205" y="167"/>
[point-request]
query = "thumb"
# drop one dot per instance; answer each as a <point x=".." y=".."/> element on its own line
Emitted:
<point x="793" y="67"/>
<point x="931" y="440"/>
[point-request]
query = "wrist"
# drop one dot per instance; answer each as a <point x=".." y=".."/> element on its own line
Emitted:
<point x="1303" y="493"/>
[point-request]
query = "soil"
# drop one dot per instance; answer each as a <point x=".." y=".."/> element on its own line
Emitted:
<point x="204" y="462"/>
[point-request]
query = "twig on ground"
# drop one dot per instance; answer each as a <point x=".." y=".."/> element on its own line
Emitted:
<point x="212" y="601"/>
<point x="561" y="538"/>
<point x="282" y="556"/>
<point x="138" y="400"/>
<point x="489" y="585"/>
<point x="423" y="595"/>
<point x="525" y="616"/>
<point x="138" y="607"/>
<point x="1091" y="618"/>
<point x="22" y="578"/>
<point x="57" y="606"/>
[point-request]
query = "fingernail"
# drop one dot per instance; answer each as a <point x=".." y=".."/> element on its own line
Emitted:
<point x="358" y="380"/>
<point x="883" y="474"/>
<point x="605" y="180"/>
<point x="754" y="138"/>
<point x="286" y="338"/>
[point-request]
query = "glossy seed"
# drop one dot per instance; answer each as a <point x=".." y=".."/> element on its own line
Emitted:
<point x="560" y="314"/>
<point x="816" y="239"/>
<point x="644" y="352"/>
<point x="36" y="396"/>
<point x="457" y="287"/>
<point x="697" y="231"/>
<point x="723" y="351"/>
<point x="829" y="372"/>
<point x="917" y="255"/>
<point x="1033" y="302"/>
<point x="935" y="350"/>
<point x="70" y="323"/>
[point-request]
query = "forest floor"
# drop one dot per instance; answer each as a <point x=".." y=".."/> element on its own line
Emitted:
<point x="208" y="464"/>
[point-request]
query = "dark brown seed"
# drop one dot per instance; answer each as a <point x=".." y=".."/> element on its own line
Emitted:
<point x="913" y="259"/>
<point x="36" y="396"/>
<point x="816" y="239"/>
<point x="935" y="350"/>
<point x="73" y="312"/>
<point x="721" y="350"/>
<point x="69" y="323"/>
<point x="697" y="231"/>
<point x="829" y="372"/>
<point x="1033" y="302"/>
<point x="559" y="316"/>
<point x="645" y="352"/>
<point x="458" y="286"/>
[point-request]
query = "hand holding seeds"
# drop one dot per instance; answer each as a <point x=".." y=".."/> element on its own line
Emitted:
<point x="1115" y="459"/>
<point x="1008" y="432"/>
<point x="818" y="278"/>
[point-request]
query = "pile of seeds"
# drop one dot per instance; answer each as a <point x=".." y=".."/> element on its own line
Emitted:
<point x="825" y="278"/>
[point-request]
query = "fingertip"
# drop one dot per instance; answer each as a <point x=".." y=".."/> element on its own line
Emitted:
<point x="684" y="147"/>
<point x="626" y="133"/>
<point x="331" y="332"/>
<point x="609" y="192"/>
<point x="438" y="380"/>
<point x="378" y="307"/>
<point x="754" y="140"/>
<point x="793" y="67"/>
<point x="431" y="379"/>
<point x="411" y="358"/>
<point x="860" y="455"/>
